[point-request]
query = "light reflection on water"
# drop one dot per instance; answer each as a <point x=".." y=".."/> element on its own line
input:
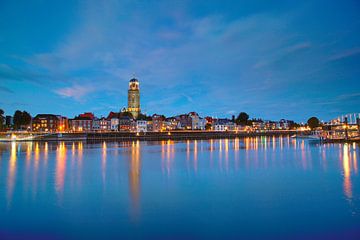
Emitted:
<point x="251" y="170"/>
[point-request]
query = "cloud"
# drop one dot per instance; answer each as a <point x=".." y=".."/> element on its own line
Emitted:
<point x="5" y="90"/>
<point x="11" y="73"/>
<point x="345" y="54"/>
<point x="299" y="46"/>
<point x="76" y="92"/>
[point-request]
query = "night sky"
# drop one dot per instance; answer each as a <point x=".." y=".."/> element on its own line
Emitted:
<point x="289" y="59"/>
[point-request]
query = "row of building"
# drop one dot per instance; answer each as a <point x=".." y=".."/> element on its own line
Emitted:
<point x="121" y="121"/>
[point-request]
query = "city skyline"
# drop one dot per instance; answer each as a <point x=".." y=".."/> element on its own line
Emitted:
<point x="272" y="61"/>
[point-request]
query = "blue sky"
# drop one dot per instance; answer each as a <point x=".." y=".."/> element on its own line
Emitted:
<point x="272" y="59"/>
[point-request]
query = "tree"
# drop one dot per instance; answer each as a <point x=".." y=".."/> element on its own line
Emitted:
<point x="313" y="122"/>
<point x="294" y="125"/>
<point x="1" y="119"/>
<point x="143" y="117"/>
<point x="26" y="118"/>
<point x="21" y="119"/>
<point x="242" y="118"/>
<point x="126" y="114"/>
<point x="208" y="126"/>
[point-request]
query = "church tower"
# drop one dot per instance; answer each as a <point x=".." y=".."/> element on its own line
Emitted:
<point x="134" y="98"/>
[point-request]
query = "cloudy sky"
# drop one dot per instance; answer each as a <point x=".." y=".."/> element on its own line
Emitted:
<point x="272" y="59"/>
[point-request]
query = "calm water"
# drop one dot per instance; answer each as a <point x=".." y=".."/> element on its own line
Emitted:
<point x="253" y="188"/>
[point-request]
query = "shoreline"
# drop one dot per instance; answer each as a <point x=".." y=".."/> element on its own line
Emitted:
<point x="147" y="136"/>
<point x="155" y="136"/>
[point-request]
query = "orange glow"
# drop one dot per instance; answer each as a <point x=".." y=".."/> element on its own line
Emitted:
<point x="134" y="178"/>
<point x="103" y="161"/>
<point x="11" y="173"/>
<point x="60" y="169"/>
<point x="195" y="155"/>
<point x="347" y="172"/>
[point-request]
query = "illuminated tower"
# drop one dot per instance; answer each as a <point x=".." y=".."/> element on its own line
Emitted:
<point x="134" y="97"/>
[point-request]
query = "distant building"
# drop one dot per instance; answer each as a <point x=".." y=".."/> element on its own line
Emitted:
<point x="125" y="123"/>
<point x="172" y="123"/>
<point x="96" y="124"/>
<point x="105" y="124"/>
<point x="224" y="124"/>
<point x="49" y="123"/>
<point x="81" y="124"/>
<point x="141" y="126"/>
<point x="114" y="124"/>
<point x="87" y="115"/>
<point x="134" y="98"/>
<point x="158" y="123"/>
<point x="184" y="121"/>
<point x="197" y="123"/>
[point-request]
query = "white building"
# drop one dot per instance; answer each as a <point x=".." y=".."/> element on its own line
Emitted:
<point x="141" y="126"/>
<point x="114" y="124"/>
<point x="224" y="125"/>
<point x="197" y="123"/>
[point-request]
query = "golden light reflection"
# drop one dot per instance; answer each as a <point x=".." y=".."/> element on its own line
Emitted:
<point x="103" y="162"/>
<point x="237" y="148"/>
<point x="195" y="155"/>
<point x="60" y="169"/>
<point x="169" y="155"/>
<point x="246" y="143"/>
<point x="36" y="168"/>
<point x="11" y="173"/>
<point x="303" y="154"/>
<point x="46" y="151"/>
<point x="134" y="178"/>
<point x="36" y="158"/>
<point x="274" y="142"/>
<point x="227" y="154"/>
<point x="355" y="159"/>
<point x="347" y="172"/>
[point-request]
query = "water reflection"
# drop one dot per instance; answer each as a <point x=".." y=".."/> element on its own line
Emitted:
<point x="11" y="173"/>
<point x="134" y="179"/>
<point x="167" y="155"/>
<point x="103" y="162"/>
<point x="60" y="170"/>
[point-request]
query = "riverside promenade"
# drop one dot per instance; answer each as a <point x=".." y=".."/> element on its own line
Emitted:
<point x="143" y="136"/>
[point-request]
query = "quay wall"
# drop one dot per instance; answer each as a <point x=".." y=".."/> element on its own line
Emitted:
<point x="156" y="136"/>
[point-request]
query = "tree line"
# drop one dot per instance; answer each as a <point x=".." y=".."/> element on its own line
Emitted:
<point x="21" y="119"/>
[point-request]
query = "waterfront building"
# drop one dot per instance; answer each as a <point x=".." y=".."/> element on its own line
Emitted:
<point x="105" y="124"/>
<point x="87" y="115"/>
<point x="125" y="123"/>
<point x="158" y="123"/>
<point x="81" y="124"/>
<point x="63" y="123"/>
<point x="134" y="98"/>
<point x="95" y="124"/>
<point x="258" y="125"/>
<point x="185" y="121"/>
<point x="141" y="126"/>
<point x="49" y="123"/>
<point x="224" y="124"/>
<point x="150" y="126"/>
<point x="197" y="123"/>
<point x="114" y="124"/>
<point x="171" y="123"/>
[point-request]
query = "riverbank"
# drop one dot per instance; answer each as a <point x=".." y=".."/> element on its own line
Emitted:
<point x="154" y="136"/>
<point x="148" y="136"/>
